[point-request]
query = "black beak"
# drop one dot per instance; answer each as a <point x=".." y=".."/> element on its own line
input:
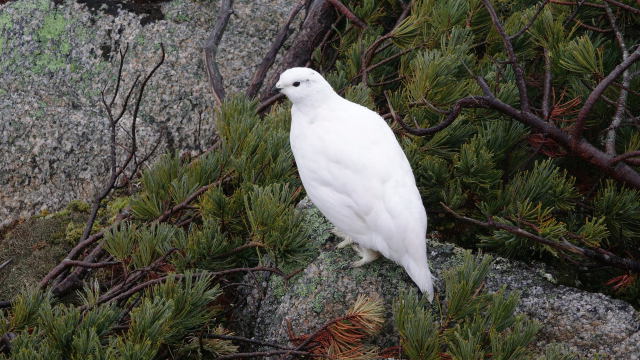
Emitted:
<point x="275" y="89"/>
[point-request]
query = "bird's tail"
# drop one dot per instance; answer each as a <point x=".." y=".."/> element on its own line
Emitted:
<point x="421" y="275"/>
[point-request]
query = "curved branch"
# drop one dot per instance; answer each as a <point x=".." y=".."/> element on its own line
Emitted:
<point x="531" y="21"/>
<point x="468" y="102"/>
<point x="623" y="6"/>
<point x="626" y="157"/>
<point x="267" y="62"/>
<point x="597" y="92"/>
<point x="211" y="50"/>
<point x="348" y="14"/>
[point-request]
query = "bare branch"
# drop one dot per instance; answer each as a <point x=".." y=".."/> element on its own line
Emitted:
<point x="610" y="142"/>
<point x="468" y="102"/>
<point x="267" y="61"/>
<point x="211" y="50"/>
<point x="599" y="89"/>
<point x="623" y="6"/>
<point x="347" y="13"/>
<point x="546" y="95"/>
<point x="264" y="354"/>
<point x="319" y="18"/>
<point x="126" y="294"/>
<point x="571" y="3"/>
<point x="4" y="264"/>
<point x="91" y="265"/>
<point x="531" y="21"/>
<point x="627" y="157"/>
<point x="244" y="339"/>
<point x="522" y="85"/>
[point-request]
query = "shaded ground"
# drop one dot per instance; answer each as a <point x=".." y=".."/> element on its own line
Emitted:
<point x="34" y="247"/>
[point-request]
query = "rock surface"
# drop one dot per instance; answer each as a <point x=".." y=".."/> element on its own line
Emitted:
<point x="588" y="323"/>
<point x="57" y="56"/>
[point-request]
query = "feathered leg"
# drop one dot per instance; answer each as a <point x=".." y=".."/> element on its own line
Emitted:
<point x="346" y="240"/>
<point x="368" y="255"/>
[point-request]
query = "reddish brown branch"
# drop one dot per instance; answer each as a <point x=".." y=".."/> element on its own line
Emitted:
<point x="531" y="21"/>
<point x="468" y="102"/>
<point x="627" y="157"/>
<point x="573" y="3"/>
<point x="249" y="245"/>
<point x="623" y="6"/>
<point x="597" y="92"/>
<point x="341" y="8"/>
<point x="90" y="265"/>
<point x="126" y="294"/>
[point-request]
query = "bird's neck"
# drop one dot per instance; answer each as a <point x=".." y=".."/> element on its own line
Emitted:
<point x="312" y="104"/>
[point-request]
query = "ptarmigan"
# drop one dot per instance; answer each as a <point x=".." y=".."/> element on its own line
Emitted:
<point x="356" y="173"/>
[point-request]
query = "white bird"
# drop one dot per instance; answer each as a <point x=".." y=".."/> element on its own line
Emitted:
<point x="356" y="173"/>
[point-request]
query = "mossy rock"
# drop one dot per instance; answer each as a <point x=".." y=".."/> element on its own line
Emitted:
<point x="34" y="247"/>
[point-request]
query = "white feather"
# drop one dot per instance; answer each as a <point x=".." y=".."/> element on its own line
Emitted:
<point x="356" y="173"/>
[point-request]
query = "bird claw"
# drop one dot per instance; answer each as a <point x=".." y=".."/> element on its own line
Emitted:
<point x="344" y="243"/>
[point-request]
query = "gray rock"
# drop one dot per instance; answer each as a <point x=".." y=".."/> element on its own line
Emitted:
<point x="587" y="323"/>
<point x="56" y="59"/>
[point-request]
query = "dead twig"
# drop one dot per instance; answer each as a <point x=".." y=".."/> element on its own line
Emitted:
<point x="267" y="61"/>
<point x="623" y="6"/>
<point x="597" y="92"/>
<point x="610" y="141"/>
<point x="211" y="50"/>
<point x="4" y="264"/>
<point x="341" y="8"/>
<point x="627" y="157"/>
<point x="531" y="21"/>
<point x="319" y="17"/>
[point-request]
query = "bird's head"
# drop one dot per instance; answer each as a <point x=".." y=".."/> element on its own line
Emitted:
<point x="301" y="84"/>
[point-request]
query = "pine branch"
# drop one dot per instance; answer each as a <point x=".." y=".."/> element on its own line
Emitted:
<point x="597" y="254"/>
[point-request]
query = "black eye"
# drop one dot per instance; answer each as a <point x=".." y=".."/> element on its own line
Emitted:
<point x="296" y="84"/>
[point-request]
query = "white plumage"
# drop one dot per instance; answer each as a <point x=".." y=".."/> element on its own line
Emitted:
<point x="356" y="173"/>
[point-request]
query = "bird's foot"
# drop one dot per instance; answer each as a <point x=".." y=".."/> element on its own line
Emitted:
<point x="368" y="255"/>
<point x="344" y="243"/>
<point x="346" y="240"/>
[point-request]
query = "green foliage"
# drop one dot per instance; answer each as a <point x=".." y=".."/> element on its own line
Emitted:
<point x="620" y="211"/>
<point x="472" y="323"/>
<point x="58" y="331"/>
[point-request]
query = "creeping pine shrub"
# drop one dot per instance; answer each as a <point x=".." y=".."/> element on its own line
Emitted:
<point x="469" y="323"/>
<point x="242" y="215"/>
